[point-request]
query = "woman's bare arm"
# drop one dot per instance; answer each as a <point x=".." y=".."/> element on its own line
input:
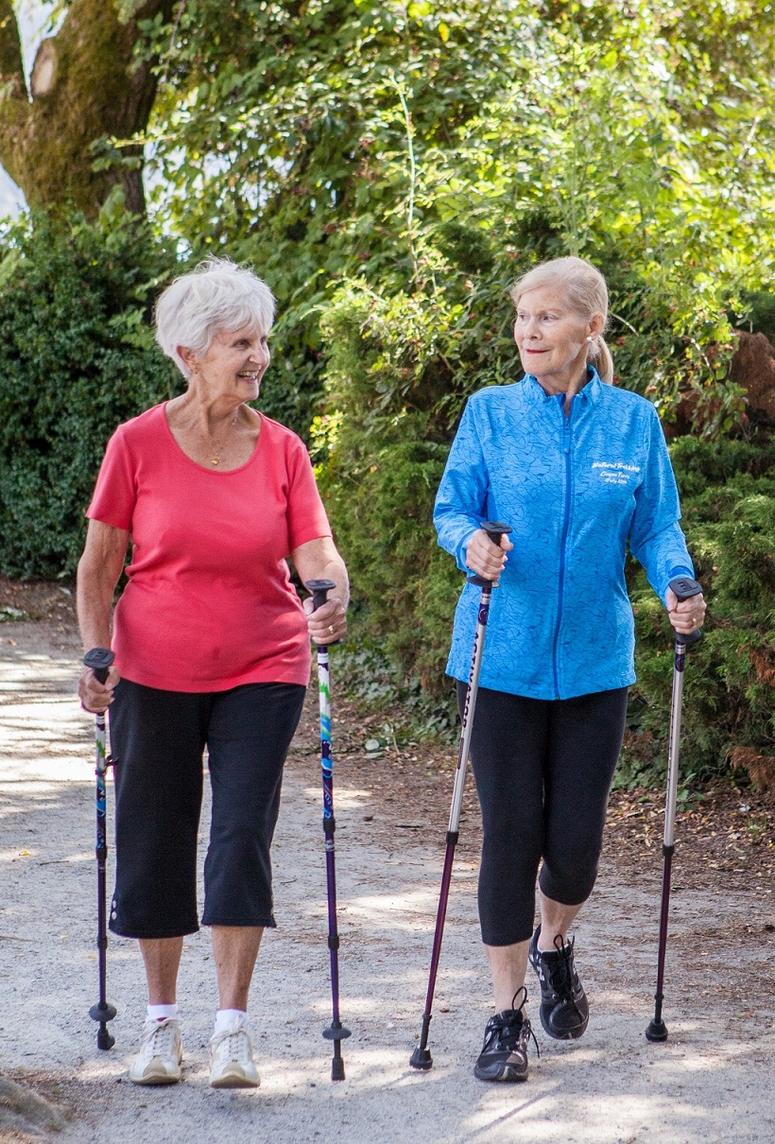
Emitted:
<point x="319" y="560"/>
<point x="98" y="571"/>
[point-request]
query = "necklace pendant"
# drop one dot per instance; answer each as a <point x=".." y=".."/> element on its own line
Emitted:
<point x="215" y="460"/>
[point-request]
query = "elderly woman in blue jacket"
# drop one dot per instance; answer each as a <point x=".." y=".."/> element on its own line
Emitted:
<point x="580" y="471"/>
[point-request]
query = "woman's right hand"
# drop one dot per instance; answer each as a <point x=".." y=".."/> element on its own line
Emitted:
<point x="485" y="558"/>
<point x="95" y="696"/>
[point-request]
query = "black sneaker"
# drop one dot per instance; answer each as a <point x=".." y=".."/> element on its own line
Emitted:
<point x="564" y="1005"/>
<point x="504" y="1052"/>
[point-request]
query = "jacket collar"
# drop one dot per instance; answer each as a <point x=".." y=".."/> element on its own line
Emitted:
<point x="589" y="393"/>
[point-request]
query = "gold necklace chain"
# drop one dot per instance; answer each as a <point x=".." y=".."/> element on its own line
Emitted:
<point x="218" y="449"/>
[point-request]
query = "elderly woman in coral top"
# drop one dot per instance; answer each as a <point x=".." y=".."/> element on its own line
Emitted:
<point x="211" y="650"/>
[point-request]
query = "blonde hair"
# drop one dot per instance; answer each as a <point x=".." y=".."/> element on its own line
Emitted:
<point x="587" y="294"/>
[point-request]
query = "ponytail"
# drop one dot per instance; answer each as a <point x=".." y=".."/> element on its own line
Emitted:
<point x="600" y="357"/>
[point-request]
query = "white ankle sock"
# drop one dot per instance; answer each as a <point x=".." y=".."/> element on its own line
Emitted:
<point x="226" y="1018"/>
<point x="162" y="1012"/>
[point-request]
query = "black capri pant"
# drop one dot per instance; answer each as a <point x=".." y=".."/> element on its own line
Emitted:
<point x="158" y="740"/>
<point x="543" y="772"/>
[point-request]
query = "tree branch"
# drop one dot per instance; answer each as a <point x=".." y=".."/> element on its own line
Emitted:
<point x="11" y="60"/>
<point x="87" y="84"/>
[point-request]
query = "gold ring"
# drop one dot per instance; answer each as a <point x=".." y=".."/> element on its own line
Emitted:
<point x="331" y="628"/>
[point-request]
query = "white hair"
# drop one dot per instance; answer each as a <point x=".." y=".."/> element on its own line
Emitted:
<point x="216" y="295"/>
<point x="587" y="294"/>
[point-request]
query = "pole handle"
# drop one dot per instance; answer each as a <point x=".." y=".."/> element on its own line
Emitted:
<point x="319" y="590"/>
<point x="685" y="587"/>
<point x="495" y="529"/>
<point x="99" y="659"/>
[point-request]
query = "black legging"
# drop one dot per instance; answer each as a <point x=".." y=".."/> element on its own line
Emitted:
<point x="543" y="772"/>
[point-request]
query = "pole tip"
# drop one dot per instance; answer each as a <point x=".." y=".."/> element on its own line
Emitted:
<point x="421" y="1059"/>
<point x="337" y="1069"/>
<point x="656" y="1031"/>
<point x="104" y="1039"/>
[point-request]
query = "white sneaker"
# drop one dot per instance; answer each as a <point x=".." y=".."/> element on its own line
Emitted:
<point x="231" y="1057"/>
<point x="158" y="1061"/>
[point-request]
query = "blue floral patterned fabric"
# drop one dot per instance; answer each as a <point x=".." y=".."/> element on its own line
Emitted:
<point x="576" y="490"/>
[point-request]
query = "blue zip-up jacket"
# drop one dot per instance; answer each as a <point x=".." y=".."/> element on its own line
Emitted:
<point x="576" y="491"/>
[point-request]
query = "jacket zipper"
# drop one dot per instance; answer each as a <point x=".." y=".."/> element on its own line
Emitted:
<point x="566" y="442"/>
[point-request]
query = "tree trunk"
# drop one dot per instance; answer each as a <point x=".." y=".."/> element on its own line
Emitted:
<point x="85" y="85"/>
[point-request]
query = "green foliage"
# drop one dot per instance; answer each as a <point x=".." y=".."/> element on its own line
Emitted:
<point x="76" y="358"/>
<point x="382" y="455"/>
<point x="390" y="168"/>
<point x="729" y="699"/>
<point x="425" y="146"/>
<point x="379" y="487"/>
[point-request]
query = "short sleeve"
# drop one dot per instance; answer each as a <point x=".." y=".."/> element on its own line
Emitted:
<point x="115" y="493"/>
<point x="307" y="519"/>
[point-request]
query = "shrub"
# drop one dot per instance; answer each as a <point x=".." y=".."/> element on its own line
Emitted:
<point x="381" y="452"/>
<point x="76" y="358"/>
<point x="729" y="703"/>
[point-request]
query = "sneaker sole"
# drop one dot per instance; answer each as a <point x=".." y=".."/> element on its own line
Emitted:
<point x="235" y="1080"/>
<point x="507" y="1075"/>
<point x="156" y="1078"/>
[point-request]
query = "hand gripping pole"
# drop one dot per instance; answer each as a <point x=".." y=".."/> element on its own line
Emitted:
<point x="421" y="1057"/>
<point x="99" y="660"/>
<point x="335" y="1032"/>
<point x="684" y="588"/>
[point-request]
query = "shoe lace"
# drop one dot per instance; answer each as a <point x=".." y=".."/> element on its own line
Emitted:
<point x="509" y="1032"/>
<point x="562" y="973"/>
<point x="234" y="1045"/>
<point x="161" y="1039"/>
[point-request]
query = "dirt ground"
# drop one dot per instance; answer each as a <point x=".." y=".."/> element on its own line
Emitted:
<point x="711" y="1081"/>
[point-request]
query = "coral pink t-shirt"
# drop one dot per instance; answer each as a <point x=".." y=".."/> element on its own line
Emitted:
<point x="209" y="602"/>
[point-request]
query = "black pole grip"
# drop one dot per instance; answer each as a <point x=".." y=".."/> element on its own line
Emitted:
<point x="495" y="529"/>
<point x="684" y="588"/>
<point x="319" y="590"/>
<point x="99" y="660"/>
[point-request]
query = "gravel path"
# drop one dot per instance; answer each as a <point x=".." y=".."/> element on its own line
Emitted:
<point x="711" y="1081"/>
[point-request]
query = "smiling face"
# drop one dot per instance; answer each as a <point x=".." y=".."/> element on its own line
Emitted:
<point x="232" y="366"/>
<point x="552" y="338"/>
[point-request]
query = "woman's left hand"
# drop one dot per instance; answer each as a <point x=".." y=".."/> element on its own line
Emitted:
<point x="329" y="623"/>
<point x="686" y="616"/>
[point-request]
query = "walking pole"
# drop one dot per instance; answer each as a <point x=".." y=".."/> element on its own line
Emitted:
<point x="421" y="1057"/>
<point x="684" y="588"/>
<point x="99" y="660"/>
<point x="335" y="1032"/>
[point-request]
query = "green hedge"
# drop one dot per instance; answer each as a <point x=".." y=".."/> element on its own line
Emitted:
<point x="729" y="517"/>
<point x="382" y="448"/>
<point x="76" y="358"/>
